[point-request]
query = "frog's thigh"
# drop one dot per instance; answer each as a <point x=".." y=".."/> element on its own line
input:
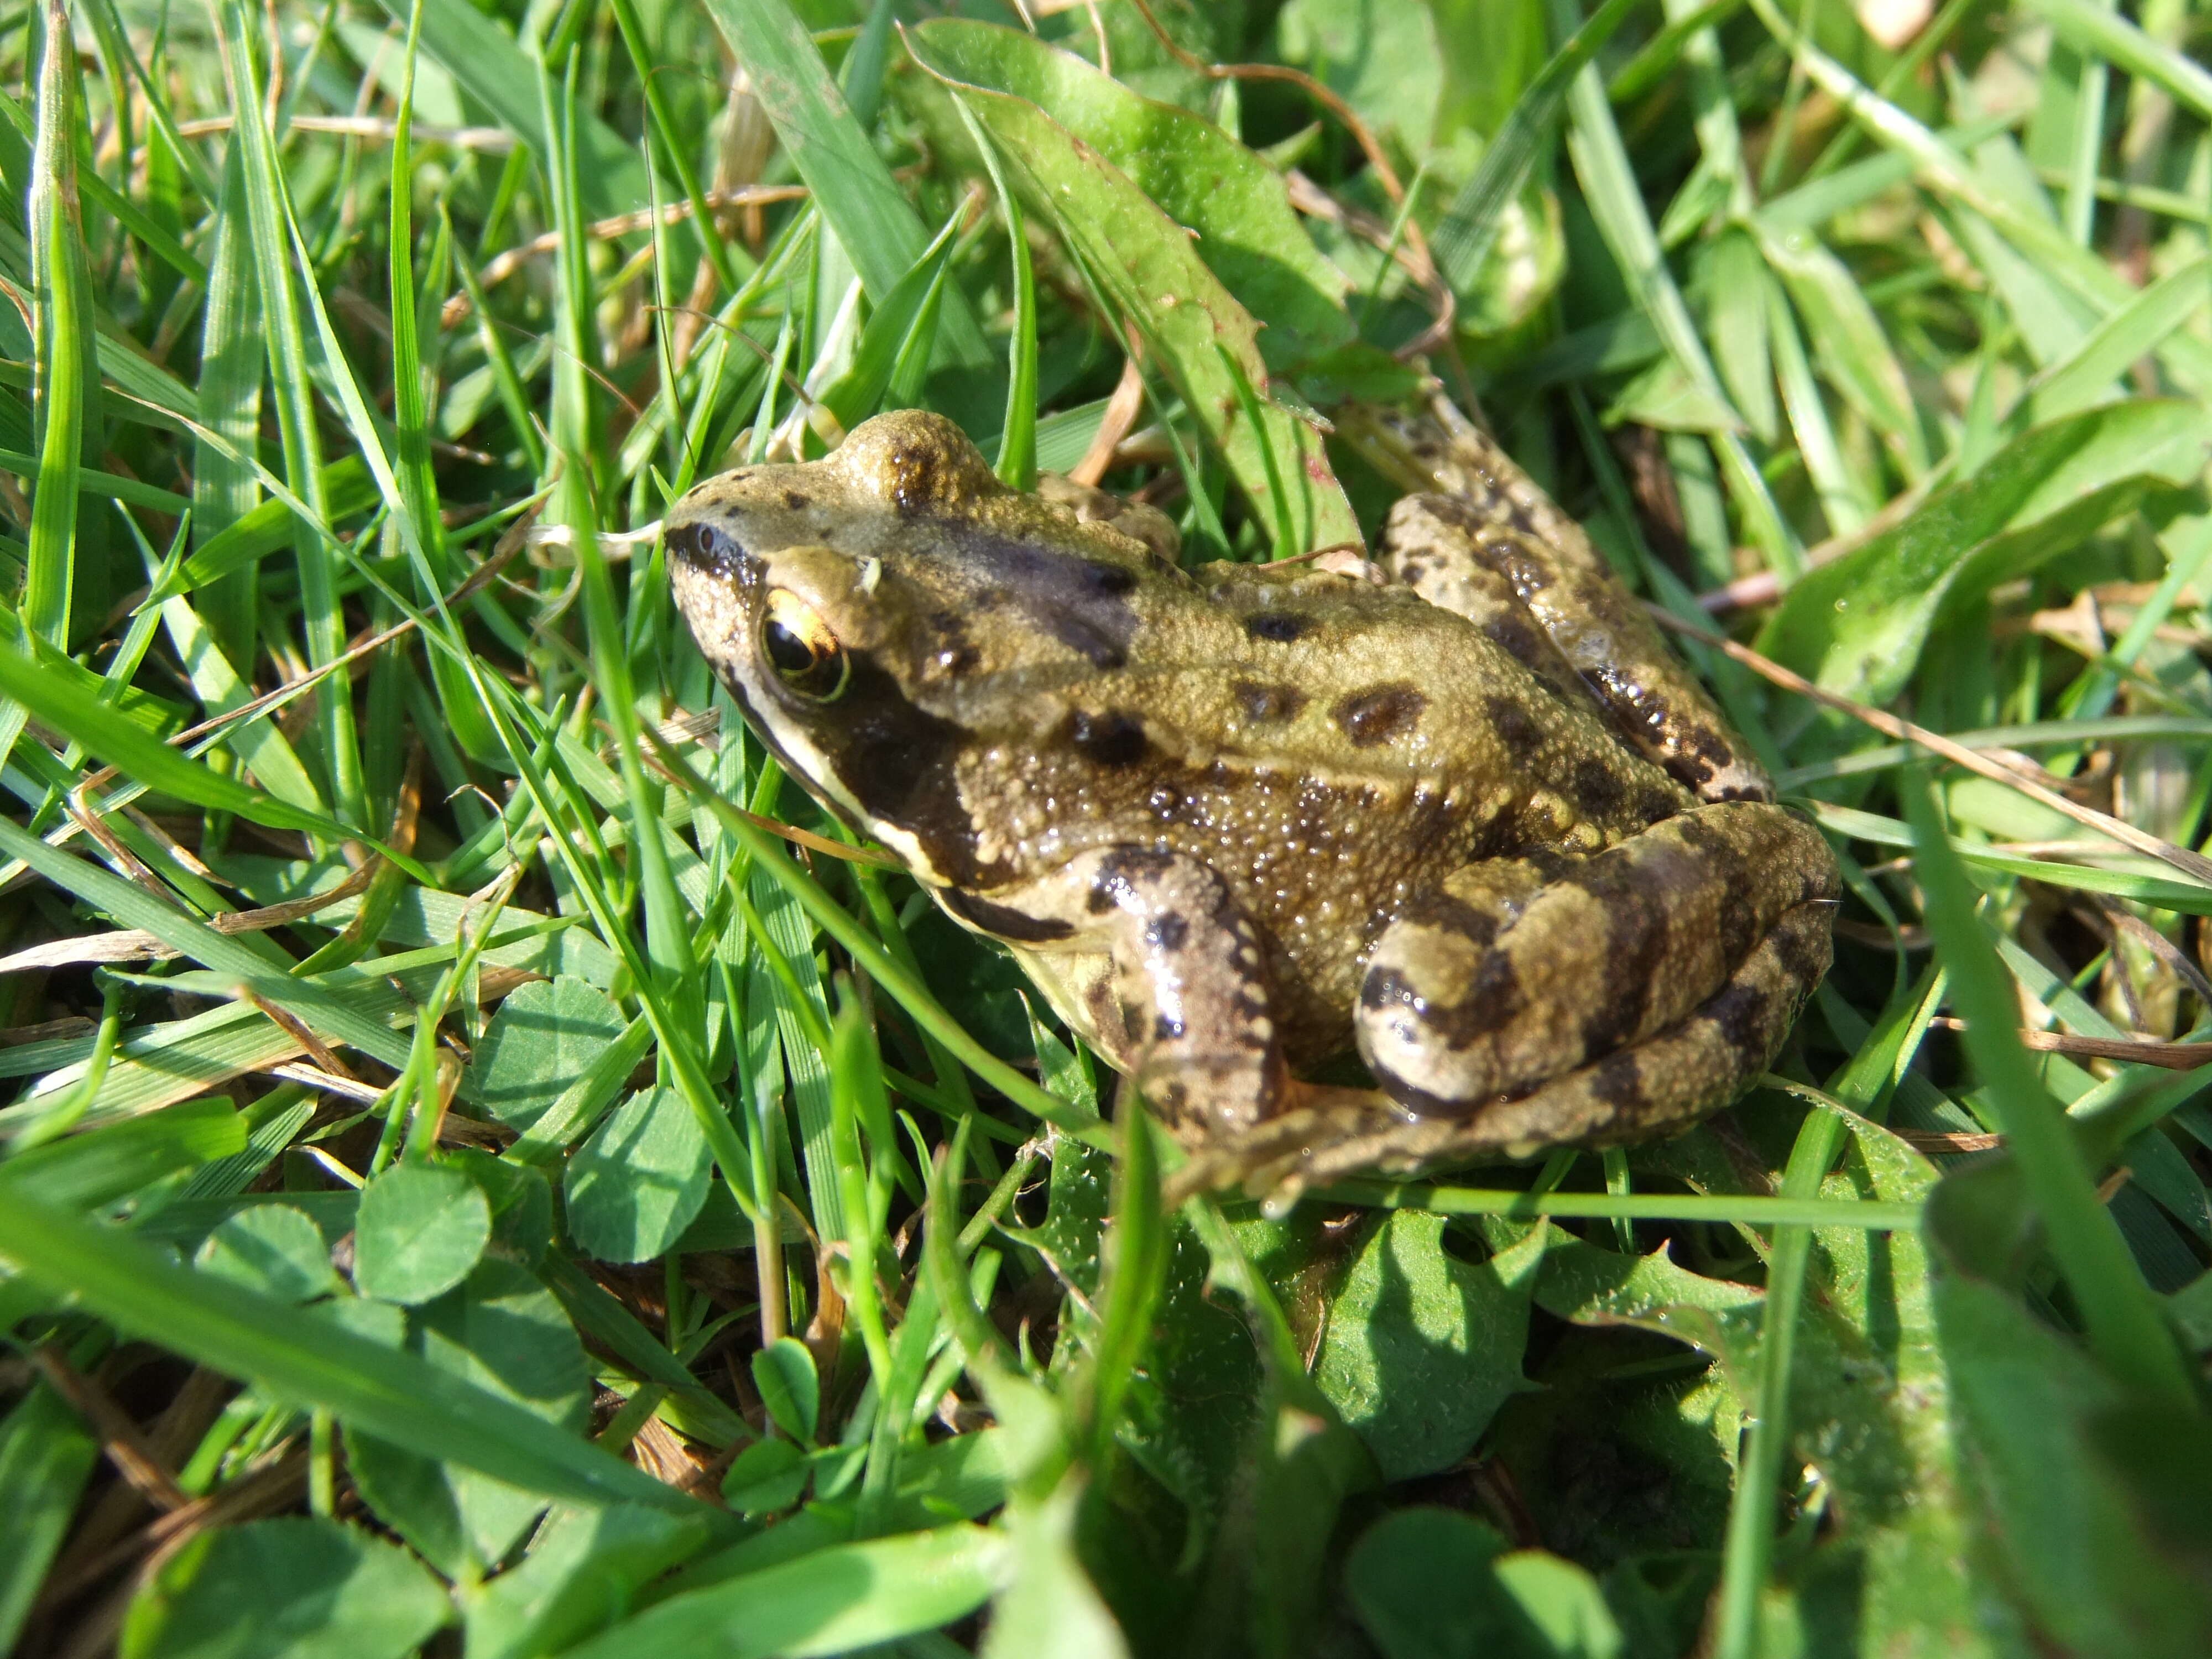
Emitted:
<point x="1467" y="1001"/>
<point x="1187" y="975"/>
<point x="1663" y="1083"/>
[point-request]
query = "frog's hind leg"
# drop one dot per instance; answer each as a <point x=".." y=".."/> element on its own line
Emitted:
<point x="1476" y="998"/>
<point x="1188" y="982"/>
<point x="1661" y="1085"/>
<point x="1477" y="525"/>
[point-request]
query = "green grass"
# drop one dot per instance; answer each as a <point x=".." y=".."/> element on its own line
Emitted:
<point x="448" y="1123"/>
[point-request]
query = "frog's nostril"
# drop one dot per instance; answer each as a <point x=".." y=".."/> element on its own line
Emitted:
<point x="704" y="546"/>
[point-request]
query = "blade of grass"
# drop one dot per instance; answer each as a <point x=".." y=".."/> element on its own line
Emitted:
<point x="418" y="485"/>
<point x="852" y="187"/>
<point x="1016" y="462"/>
<point x="232" y="356"/>
<point x="1464" y="236"/>
<point x="267" y="215"/>
<point x="121" y="743"/>
<point x="66" y="376"/>
<point x="311" y="1361"/>
<point x="1744" y="1209"/>
<point x="2125" y="1329"/>
<point x="1617" y="203"/>
<point x="2101" y="33"/>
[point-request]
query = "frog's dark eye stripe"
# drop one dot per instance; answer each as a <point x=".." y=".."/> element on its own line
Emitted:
<point x="801" y="648"/>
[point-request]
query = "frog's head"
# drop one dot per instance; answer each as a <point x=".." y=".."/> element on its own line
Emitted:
<point x="877" y="614"/>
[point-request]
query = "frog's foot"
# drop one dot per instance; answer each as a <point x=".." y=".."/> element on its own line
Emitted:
<point x="1477" y="537"/>
<point x="1465" y="1003"/>
<point x="1188" y="984"/>
<point x="1661" y="1085"/>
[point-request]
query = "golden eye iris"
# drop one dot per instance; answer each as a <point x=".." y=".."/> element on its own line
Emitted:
<point x="800" y="648"/>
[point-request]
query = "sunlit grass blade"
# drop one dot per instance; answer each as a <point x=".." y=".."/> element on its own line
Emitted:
<point x="127" y="746"/>
<point x="2124" y="1326"/>
<point x="1464" y="235"/>
<point x="66" y="382"/>
<point x="852" y="187"/>
<point x="314" y="1361"/>
<point x="268" y="216"/>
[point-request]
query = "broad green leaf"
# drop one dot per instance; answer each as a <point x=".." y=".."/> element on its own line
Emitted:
<point x="1051" y="1609"/>
<point x="831" y="1602"/>
<point x="1421" y="1347"/>
<point x="640" y="1180"/>
<point x="584" y="1570"/>
<point x="46" y="1453"/>
<point x="419" y="1232"/>
<point x="1856" y="625"/>
<point x="784" y="1373"/>
<point x="295" y="1588"/>
<point x="272" y="1247"/>
<point x="1432" y="1583"/>
<point x="2080" y="1550"/>
<point x="766" y="1477"/>
<point x="545" y="1040"/>
<point x="1386" y="62"/>
<point x="503" y="1333"/>
<point x="1195" y="174"/>
<point x="1149" y="271"/>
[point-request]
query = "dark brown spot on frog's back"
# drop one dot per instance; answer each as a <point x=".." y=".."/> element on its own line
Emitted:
<point x="1167" y="931"/>
<point x="797" y="502"/>
<point x="1109" y="736"/>
<point x="1514" y="728"/>
<point x="1379" y="715"/>
<point x="1257" y="701"/>
<point x="1003" y="920"/>
<point x="1598" y="790"/>
<point x="1521" y="639"/>
<point x="1111" y="579"/>
<point x="1635" y="940"/>
<point x="1278" y="627"/>
<point x="1804" y="953"/>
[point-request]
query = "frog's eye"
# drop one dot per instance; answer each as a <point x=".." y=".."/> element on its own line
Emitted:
<point x="800" y="648"/>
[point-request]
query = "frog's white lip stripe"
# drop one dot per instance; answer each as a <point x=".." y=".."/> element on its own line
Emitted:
<point x="804" y="759"/>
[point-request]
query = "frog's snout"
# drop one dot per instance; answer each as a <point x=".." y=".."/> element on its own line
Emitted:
<point x="705" y="546"/>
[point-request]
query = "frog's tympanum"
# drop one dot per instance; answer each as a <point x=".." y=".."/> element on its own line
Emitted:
<point x="1461" y="811"/>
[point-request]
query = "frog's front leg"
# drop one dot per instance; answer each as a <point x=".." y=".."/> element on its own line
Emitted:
<point x="1186" y="987"/>
<point x="1481" y="995"/>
